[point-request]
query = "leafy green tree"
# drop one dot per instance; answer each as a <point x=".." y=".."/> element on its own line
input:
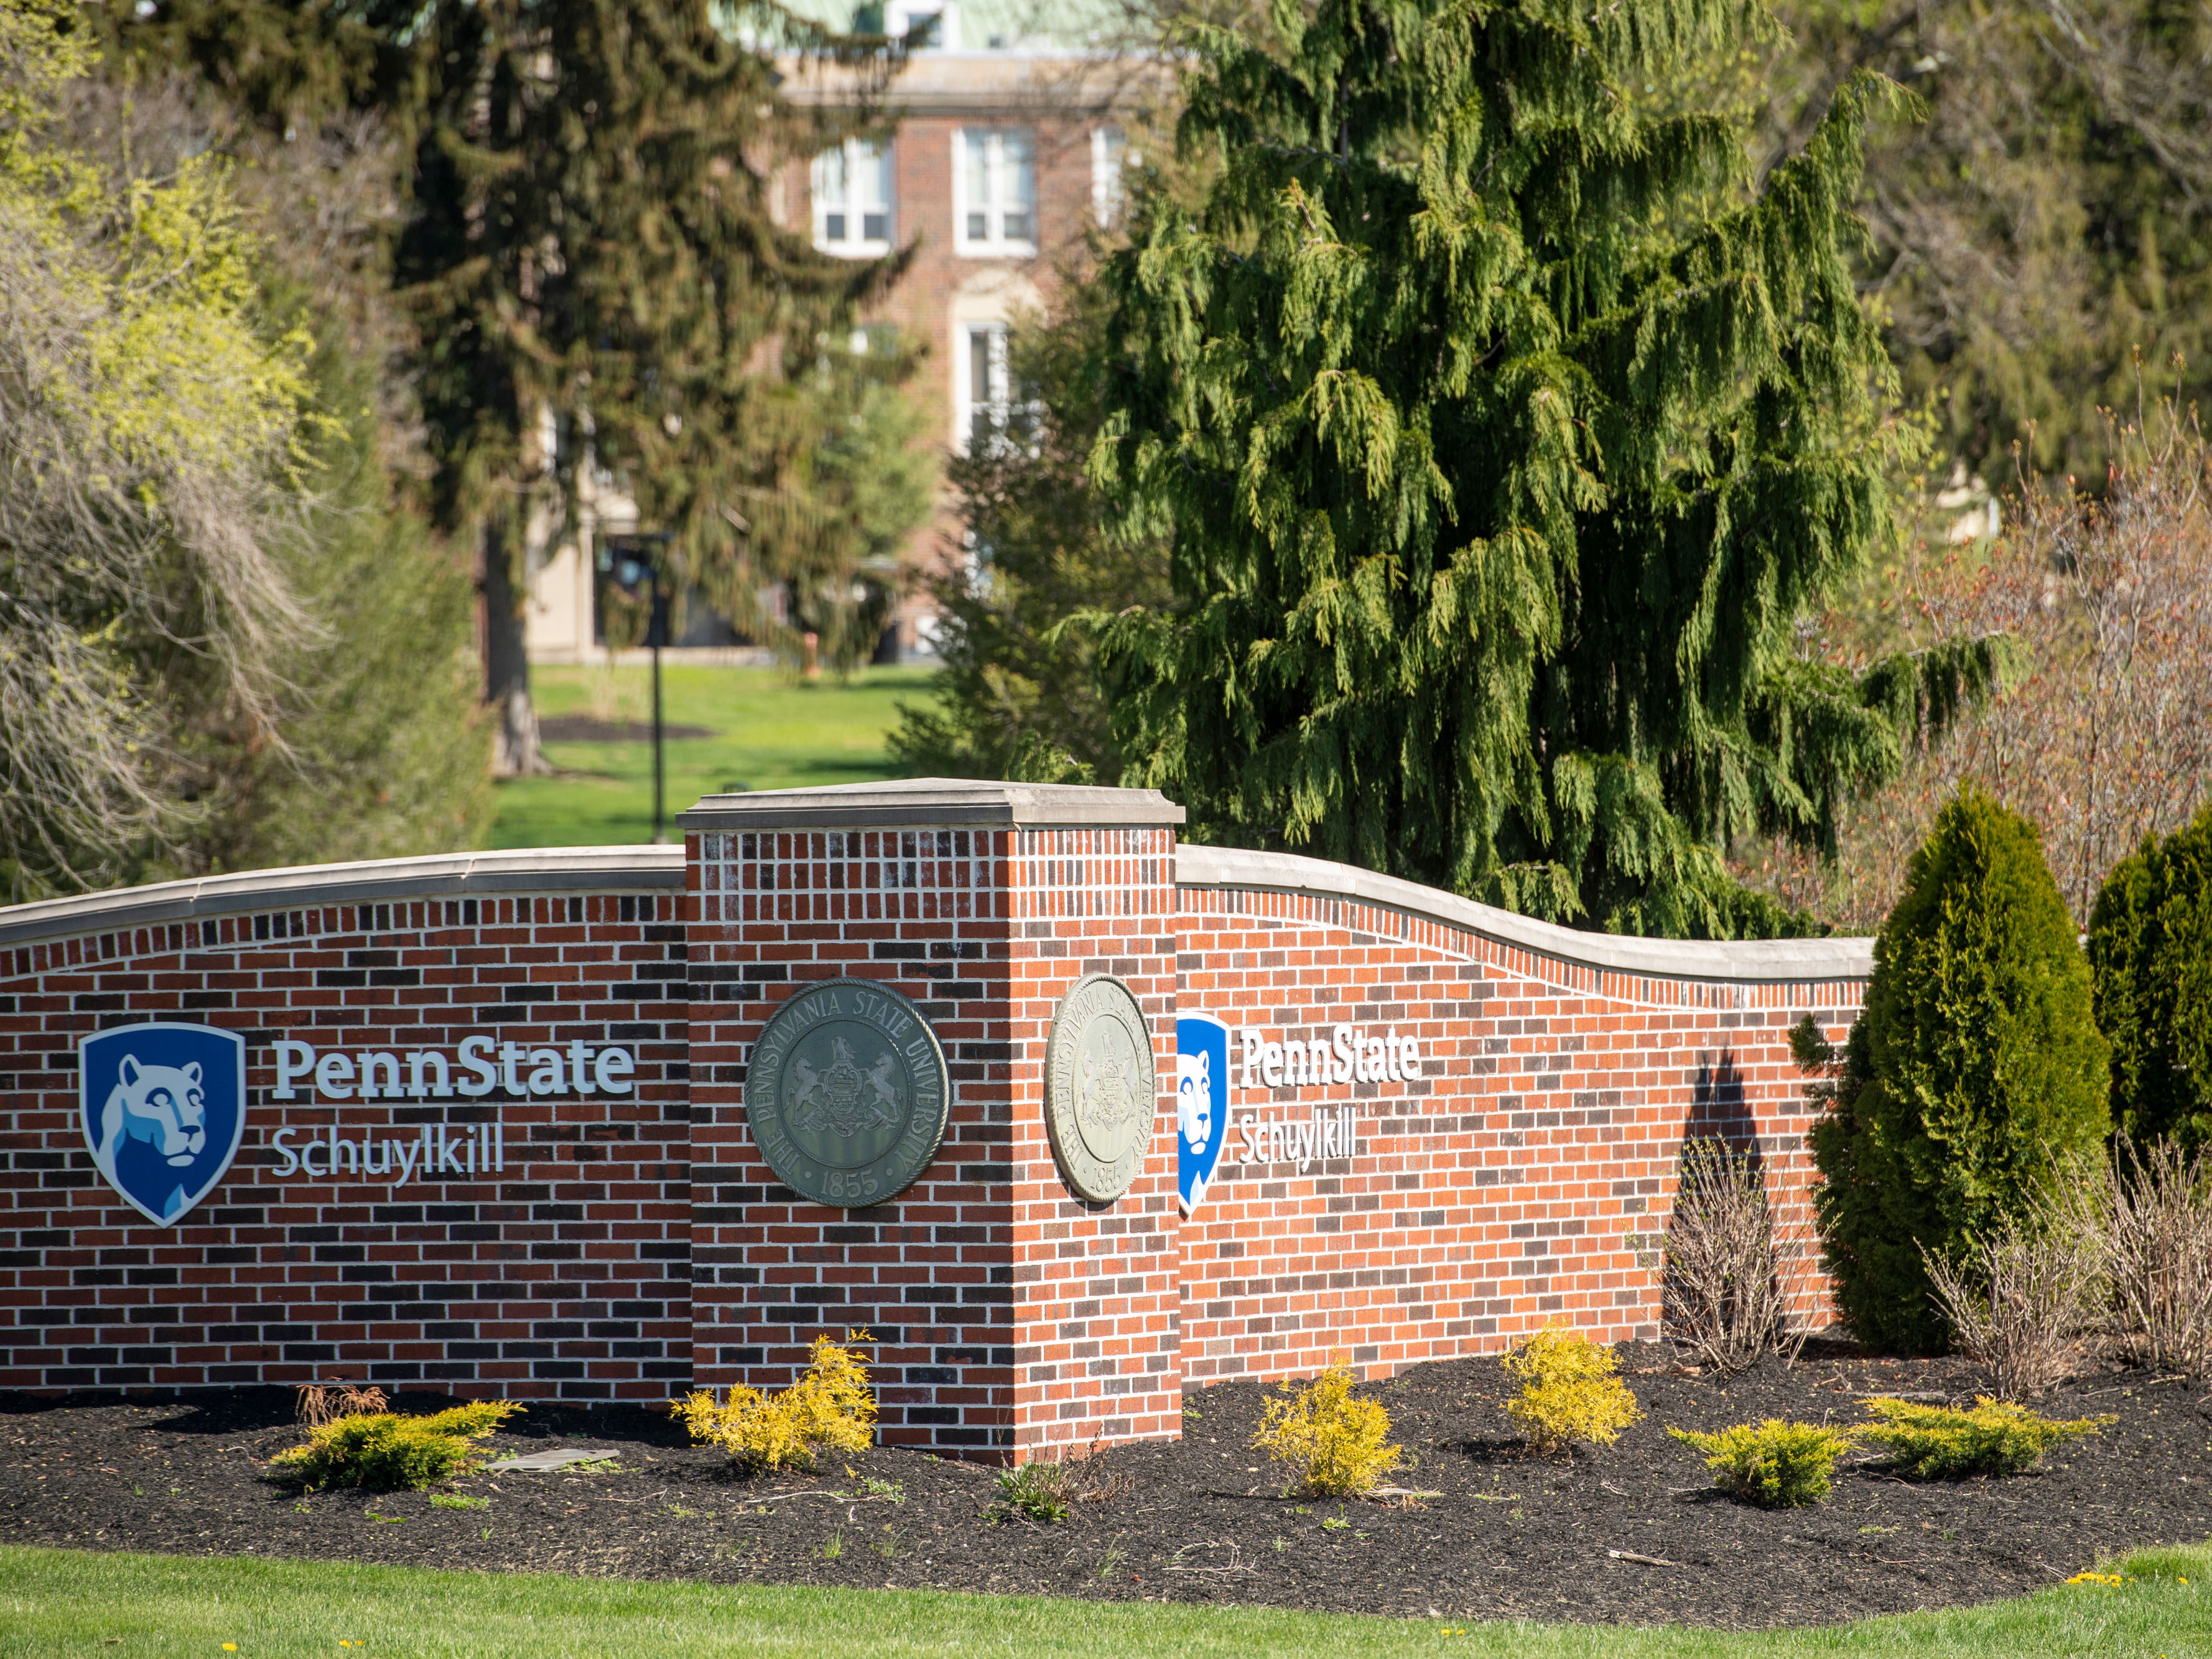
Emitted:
<point x="382" y="738"/>
<point x="2048" y="217"/>
<point x="838" y="527"/>
<point x="2151" y="953"/>
<point x="1505" y="425"/>
<point x="588" y="250"/>
<point x="151" y="444"/>
<point x="1976" y="1076"/>
<point x="1023" y="694"/>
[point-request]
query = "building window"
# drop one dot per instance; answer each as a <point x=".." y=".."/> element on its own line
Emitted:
<point x="994" y="195"/>
<point x="853" y="199"/>
<point x="902" y="18"/>
<point x="1109" y="154"/>
<point x="980" y="386"/>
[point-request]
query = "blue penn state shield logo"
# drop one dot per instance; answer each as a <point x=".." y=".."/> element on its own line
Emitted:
<point x="164" y="1110"/>
<point x="1201" y="1105"/>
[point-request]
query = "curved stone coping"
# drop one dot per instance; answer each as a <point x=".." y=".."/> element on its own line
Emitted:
<point x="933" y="803"/>
<point x="1755" y="961"/>
<point x="373" y="881"/>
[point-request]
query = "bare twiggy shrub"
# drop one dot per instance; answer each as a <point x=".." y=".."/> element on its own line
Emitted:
<point x="2103" y="733"/>
<point x="1725" y="1299"/>
<point x="327" y="1402"/>
<point x="2020" y="1298"/>
<point x="2160" y="1250"/>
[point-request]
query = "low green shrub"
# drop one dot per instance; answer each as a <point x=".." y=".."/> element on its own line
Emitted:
<point x="387" y="1452"/>
<point x="1569" y="1394"/>
<point x="1332" y="1442"/>
<point x="1042" y="1493"/>
<point x="1774" y="1464"/>
<point x="1938" y="1442"/>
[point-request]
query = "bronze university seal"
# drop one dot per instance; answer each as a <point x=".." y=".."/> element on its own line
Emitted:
<point x="846" y="1092"/>
<point x="1100" y="1090"/>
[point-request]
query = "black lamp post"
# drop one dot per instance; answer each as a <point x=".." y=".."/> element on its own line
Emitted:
<point x="635" y="563"/>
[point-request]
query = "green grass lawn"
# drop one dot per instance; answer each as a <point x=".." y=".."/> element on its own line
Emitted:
<point x="61" y="1601"/>
<point x="771" y="733"/>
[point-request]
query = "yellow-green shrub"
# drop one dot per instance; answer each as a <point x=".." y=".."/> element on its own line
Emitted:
<point x="387" y="1451"/>
<point x="830" y="1408"/>
<point x="1332" y="1443"/>
<point x="1569" y="1393"/>
<point x="1774" y="1464"/>
<point x="1937" y="1442"/>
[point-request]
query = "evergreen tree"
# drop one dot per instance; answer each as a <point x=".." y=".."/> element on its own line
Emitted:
<point x="1022" y="694"/>
<point x="846" y="509"/>
<point x="2150" y="951"/>
<point x="1976" y="1076"/>
<point x="587" y="243"/>
<point x="1505" y="428"/>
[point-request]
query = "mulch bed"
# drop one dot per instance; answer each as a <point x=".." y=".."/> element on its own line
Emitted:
<point x="1513" y="1534"/>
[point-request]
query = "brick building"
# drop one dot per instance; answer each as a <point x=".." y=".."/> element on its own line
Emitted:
<point x="1444" y="1125"/>
<point x="1008" y="149"/>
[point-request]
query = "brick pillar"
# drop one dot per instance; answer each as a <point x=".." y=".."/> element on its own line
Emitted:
<point x="1014" y="1319"/>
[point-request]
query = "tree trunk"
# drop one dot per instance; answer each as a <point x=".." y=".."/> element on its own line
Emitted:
<point x="515" y="753"/>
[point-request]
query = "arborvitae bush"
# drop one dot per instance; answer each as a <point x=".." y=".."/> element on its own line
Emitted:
<point x="388" y="1452"/>
<point x="1774" y="1464"/>
<point x="1570" y="1394"/>
<point x="830" y="1408"/>
<point x="2150" y="955"/>
<point x="1936" y="1443"/>
<point x="1332" y="1442"/>
<point x="1974" y="1078"/>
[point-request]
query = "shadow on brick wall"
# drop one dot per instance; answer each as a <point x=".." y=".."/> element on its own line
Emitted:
<point x="1720" y="1107"/>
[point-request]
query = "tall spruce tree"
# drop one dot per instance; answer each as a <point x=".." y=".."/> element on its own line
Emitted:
<point x="1506" y="427"/>
<point x="587" y="243"/>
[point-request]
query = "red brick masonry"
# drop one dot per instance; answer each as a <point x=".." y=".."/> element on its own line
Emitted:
<point x="630" y="1244"/>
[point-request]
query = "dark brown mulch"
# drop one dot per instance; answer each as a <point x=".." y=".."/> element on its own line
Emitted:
<point x="1200" y="1521"/>
<point x="582" y="728"/>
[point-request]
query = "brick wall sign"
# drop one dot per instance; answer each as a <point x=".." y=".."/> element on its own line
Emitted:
<point x="485" y="1123"/>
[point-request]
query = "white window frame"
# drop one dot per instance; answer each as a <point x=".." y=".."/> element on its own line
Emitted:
<point x="1109" y="155"/>
<point x="995" y="399"/>
<point x="855" y="243"/>
<point x="994" y="244"/>
<point x="901" y="16"/>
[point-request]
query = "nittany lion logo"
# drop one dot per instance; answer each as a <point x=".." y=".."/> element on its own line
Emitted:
<point x="1201" y="1105"/>
<point x="1194" y="1098"/>
<point x="164" y="1110"/>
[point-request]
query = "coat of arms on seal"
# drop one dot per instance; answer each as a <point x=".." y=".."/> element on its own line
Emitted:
<point x="846" y="1093"/>
<point x="1101" y="1087"/>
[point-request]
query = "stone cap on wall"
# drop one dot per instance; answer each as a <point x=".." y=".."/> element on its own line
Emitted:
<point x="930" y="804"/>
<point x="373" y="881"/>
<point x="1757" y="961"/>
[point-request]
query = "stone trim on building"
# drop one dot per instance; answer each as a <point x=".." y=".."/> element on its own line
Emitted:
<point x="526" y="870"/>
